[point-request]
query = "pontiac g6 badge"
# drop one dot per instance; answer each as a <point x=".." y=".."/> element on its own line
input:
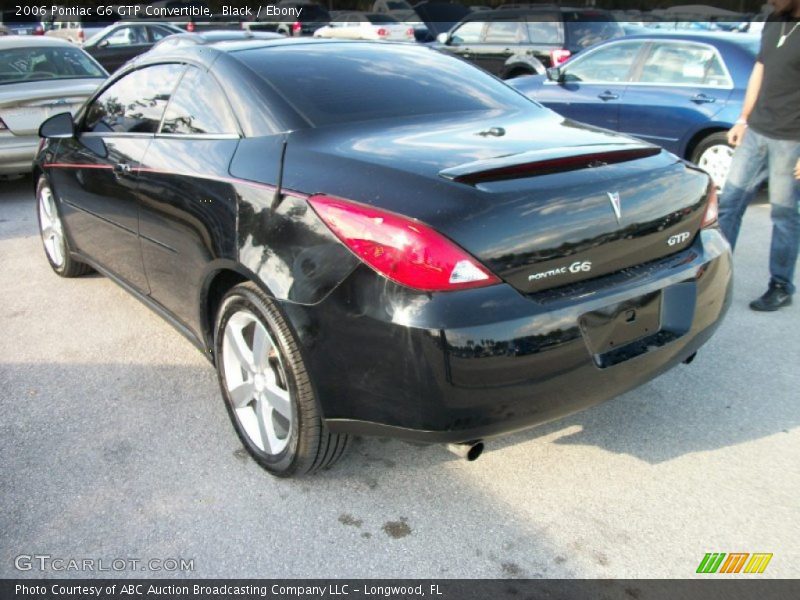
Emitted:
<point x="614" y="198"/>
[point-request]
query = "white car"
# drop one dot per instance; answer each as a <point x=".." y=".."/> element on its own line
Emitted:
<point x="367" y="26"/>
<point x="39" y="77"/>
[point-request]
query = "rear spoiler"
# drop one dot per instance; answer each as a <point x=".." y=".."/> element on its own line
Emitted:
<point x="545" y="162"/>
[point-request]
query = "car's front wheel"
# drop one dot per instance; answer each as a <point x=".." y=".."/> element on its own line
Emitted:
<point x="51" y="228"/>
<point x="267" y="390"/>
<point x="713" y="154"/>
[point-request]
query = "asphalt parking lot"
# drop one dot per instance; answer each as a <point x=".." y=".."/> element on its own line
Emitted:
<point x="114" y="443"/>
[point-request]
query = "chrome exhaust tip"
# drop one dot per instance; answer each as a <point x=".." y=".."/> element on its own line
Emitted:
<point x="467" y="450"/>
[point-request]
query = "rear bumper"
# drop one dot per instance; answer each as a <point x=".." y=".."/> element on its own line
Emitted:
<point x="17" y="153"/>
<point x="468" y="365"/>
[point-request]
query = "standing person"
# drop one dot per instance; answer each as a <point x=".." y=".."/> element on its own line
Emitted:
<point x="767" y="141"/>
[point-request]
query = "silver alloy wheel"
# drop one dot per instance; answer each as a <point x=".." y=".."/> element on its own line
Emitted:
<point x="256" y="382"/>
<point x="52" y="231"/>
<point x="716" y="161"/>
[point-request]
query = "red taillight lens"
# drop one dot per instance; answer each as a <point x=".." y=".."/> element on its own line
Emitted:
<point x="382" y="32"/>
<point x="39" y="30"/>
<point x="190" y="27"/>
<point x="712" y="208"/>
<point x="297" y="27"/>
<point x="410" y="32"/>
<point x="81" y="36"/>
<point x="559" y="56"/>
<point x="401" y="249"/>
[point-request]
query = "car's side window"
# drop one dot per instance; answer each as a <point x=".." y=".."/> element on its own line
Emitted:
<point x="193" y="113"/>
<point x="504" y="32"/>
<point x="543" y="31"/>
<point x="126" y="36"/>
<point x="135" y="103"/>
<point x="468" y="33"/>
<point x="683" y="64"/>
<point x="158" y="33"/>
<point x="611" y="64"/>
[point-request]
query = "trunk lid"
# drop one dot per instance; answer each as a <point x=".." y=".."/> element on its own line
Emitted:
<point x="23" y="106"/>
<point x="540" y="200"/>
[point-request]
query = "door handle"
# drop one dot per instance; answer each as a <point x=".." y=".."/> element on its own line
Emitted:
<point x="702" y="99"/>
<point x="608" y="95"/>
<point x="122" y="168"/>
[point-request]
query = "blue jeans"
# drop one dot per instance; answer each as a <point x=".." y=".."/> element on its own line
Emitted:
<point x="757" y="158"/>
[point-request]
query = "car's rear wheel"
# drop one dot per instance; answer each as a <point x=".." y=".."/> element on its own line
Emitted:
<point x="267" y="390"/>
<point x="713" y="154"/>
<point x="51" y="228"/>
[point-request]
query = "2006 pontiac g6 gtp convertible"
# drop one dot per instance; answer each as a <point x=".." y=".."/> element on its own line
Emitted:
<point x="379" y="239"/>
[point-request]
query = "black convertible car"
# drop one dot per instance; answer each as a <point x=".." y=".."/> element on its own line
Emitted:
<point x="380" y="239"/>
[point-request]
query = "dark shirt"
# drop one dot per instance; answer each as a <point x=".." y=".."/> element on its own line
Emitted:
<point x="777" y="110"/>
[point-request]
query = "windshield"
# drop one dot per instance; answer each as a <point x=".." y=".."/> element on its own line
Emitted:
<point x="330" y="84"/>
<point x="46" y="63"/>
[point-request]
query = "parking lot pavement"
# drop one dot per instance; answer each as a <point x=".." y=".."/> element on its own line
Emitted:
<point x="114" y="443"/>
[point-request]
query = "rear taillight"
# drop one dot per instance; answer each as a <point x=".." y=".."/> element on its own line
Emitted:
<point x="410" y="32"/>
<point x="297" y="28"/>
<point x="401" y="249"/>
<point x="558" y="56"/>
<point x="81" y="36"/>
<point x="190" y="26"/>
<point x="39" y="30"/>
<point x="382" y="32"/>
<point x="712" y="208"/>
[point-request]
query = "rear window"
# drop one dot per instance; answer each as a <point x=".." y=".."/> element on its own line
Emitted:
<point x="585" y="29"/>
<point x="46" y="63"/>
<point x="332" y="83"/>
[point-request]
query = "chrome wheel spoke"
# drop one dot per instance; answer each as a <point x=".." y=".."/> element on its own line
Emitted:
<point x="278" y="398"/>
<point x="266" y="427"/>
<point x="261" y="346"/>
<point x="243" y="394"/>
<point x="239" y="346"/>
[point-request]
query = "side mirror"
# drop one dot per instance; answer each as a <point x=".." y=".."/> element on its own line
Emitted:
<point x="443" y="37"/>
<point x="104" y="44"/>
<point x="555" y="74"/>
<point x="60" y="126"/>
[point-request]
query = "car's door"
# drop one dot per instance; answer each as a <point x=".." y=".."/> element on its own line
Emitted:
<point x="500" y="40"/>
<point x="188" y="202"/>
<point x="120" y="45"/>
<point x="679" y="85"/>
<point x="96" y="174"/>
<point x="593" y="84"/>
<point x="464" y="39"/>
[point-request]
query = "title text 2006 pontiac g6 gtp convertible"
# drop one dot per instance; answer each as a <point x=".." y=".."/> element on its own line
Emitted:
<point x="379" y="239"/>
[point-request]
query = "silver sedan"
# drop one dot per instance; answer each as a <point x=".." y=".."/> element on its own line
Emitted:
<point x="39" y="77"/>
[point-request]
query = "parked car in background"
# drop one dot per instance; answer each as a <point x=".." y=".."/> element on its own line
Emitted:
<point x="512" y="42"/>
<point x="117" y="44"/>
<point x="210" y="37"/>
<point x="682" y="91"/>
<point x="312" y="17"/>
<point x="21" y="25"/>
<point x="5" y="30"/>
<point x="78" y="29"/>
<point x="367" y="26"/>
<point x="380" y="239"/>
<point x="38" y="77"/>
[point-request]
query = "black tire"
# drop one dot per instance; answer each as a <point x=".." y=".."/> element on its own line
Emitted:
<point x="310" y="445"/>
<point x="69" y="266"/>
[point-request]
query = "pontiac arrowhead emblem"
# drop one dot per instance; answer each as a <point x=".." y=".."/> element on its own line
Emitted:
<point x="614" y="198"/>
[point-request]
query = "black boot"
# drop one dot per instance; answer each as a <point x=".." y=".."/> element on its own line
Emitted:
<point x="775" y="297"/>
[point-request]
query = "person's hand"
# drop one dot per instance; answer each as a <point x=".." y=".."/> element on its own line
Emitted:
<point x="736" y="134"/>
<point x="797" y="169"/>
